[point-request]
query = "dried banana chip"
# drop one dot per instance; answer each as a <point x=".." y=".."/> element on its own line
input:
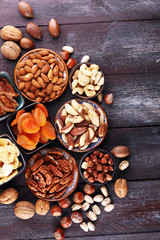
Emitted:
<point x="15" y="163"/>
<point x="6" y="170"/>
<point x="4" y="155"/>
<point x="11" y="152"/>
<point x="14" y="173"/>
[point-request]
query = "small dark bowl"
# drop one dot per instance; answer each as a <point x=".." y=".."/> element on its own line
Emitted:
<point x="39" y="145"/>
<point x="20" y="157"/>
<point x="70" y="81"/>
<point x="19" y="99"/>
<point x="87" y="154"/>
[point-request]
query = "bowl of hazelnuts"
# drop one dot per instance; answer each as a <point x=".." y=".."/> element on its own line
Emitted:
<point x="97" y="167"/>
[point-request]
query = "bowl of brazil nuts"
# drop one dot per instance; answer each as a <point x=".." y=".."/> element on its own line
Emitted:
<point x="41" y="75"/>
<point x="97" y="167"/>
<point x="86" y="80"/>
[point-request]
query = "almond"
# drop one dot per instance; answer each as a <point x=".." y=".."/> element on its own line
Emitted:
<point x="44" y="77"/>
<point x="45" y="68"/>
<point x="54" y="28"/>
<point x="56" y="70"/>
<point x="34" y="69"/>
<point x="10" y="50"/>
<point x="34" y="30"/>
<point x="61" y="66"/>
<point x="36" y="84"/>
<point x="56" y="88"/>
<point x="41" y="82"/>
<point x="11" y="33"/>
<point x="27" y="43"/>
<point x="31" y="95"/>
<point x="49" y="88"/>
<point x="28" y="77"/>
<point x="25" y="9"/>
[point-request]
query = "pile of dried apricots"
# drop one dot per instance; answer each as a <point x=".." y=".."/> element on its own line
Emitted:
<point x="33" y="127"/>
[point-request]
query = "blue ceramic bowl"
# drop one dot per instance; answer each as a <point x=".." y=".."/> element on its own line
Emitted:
<point x="19" y="99"/>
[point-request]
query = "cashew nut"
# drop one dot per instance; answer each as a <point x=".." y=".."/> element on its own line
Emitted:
<point x="79" y="90"/>
<point x="85" y="58"/>
<point x="74" y="83"/>
<point x="101" y="82"/>
<point x="94" y="67"/>
<point x="75" y="76"/>
<point x="90" y="93"/>
<point x="89" y="87"/>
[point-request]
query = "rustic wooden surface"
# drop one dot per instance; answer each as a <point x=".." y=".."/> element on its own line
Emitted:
<point x="122" y="36"/>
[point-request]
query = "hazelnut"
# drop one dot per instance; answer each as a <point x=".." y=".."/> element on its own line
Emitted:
<point x="96" y="153"/>
<point x="110" y="161"/>
<point x="101" y="155"/>
<point x="101" y="177"/>
<point x="86" y="174"/>
<point x="87" y="159"/>
<point x="66" y="222"/>
<point x="59" y="234"/>
<point x="78" y="197"/>
<point x="56" y="211"/>
<point x="89" y="169"/>
<point x="95" y="159"/>
<point x="91" y="155"/>
<point x="95" y="173"/>
<point x="89" y="189"/>
<point x="91" y="179"/>
<point x="103" y="160"/>
<point x="90" y="164"/>
<point x="107" y="156"/>
<point x="64" y="203"/>
<point x="108" y="177"/>
<point x="71" y="63"/>
<point x="76" y="217"/>
<point x="105" y="168"/>
<point x="110" y="168"/>
<point x="99" y="167"/>
<point x="64" y="55"/>
<point x="108" y="98"/>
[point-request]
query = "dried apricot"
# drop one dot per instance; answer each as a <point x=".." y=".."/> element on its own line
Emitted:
<point x="43" y="139"/>
<point x="20" y="120"/>
<point x="39" y="117"/>
<point x="29" y="125"/>
<point x="25" y="142"/>
<point x="49" y="131"/>
<point x="43" y="108"/>
<point x="14" y="129"/>
<point x="33" y="136"/>
<point x="15" y="121"/>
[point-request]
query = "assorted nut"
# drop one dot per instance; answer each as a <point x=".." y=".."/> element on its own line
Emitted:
<point x="109" y="208"/>
<point x="78" y="197"/>
<point x="76" y="217"/>
<point x="41" y="76"/>
<point x="121" y="188"/>
<point x="10" y="50"/>
<point x="34" y="30"/>
<point x="96" y="209"/>
<point x="81" y="124"/>
<point x="50" y="175"/>
<point x="25" y="9"/>
<point x="64" y="203"/>
<point x="91" y="226"/>
<point x="106" y="201"/>
<point x="66" y="222"/>
<point x="120" y="151"/>
<point x="100" y="167"/>
<point x="88" y="199"/>
<point x="104" y="191"/>
<point x="123" y="165"/>
<point x="27" y="44"/>
<point x="76" y="207"/>
<point x="84" y="226"/>
<point x="109" y="98"/>
<point x="24" y="210"/>
<point x="59" y="234"/>
<point x="56" y="211"/>
<point x="98" y="198"/>
<point x="42" y="207"/>
<point x="89" y="189"/>
<point x="54" y="28"/>
<point x="92" y="216"/>
<point x="11" y="33"/>
<point x="85" y="206"/>
<point x="8" y="196"/>
<point x="87" y="80"/>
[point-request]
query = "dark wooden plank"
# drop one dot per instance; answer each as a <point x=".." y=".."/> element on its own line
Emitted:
<point x="118" y="47"/>
<point x="138" y="212"/>
<point x="144" y="144"/>
<point x="80" y="12"/>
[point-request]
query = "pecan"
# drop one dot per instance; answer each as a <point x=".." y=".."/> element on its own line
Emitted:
<point x="49" y="167"/>
<point x="37" y="164"/>
<point x="35" y="172"/>
<point x="54" y="188"/>
<point x="63" y="166"/>
<point x="50" y="195"/>
<point x="43" y="190"/>
<point x="36" y="157"/>
<point x="28" y="173"/>
<point x="43" y="170"/>
<point x="58" y="194"/>
<point x="56" y="171"/>
<point x="41" y="180"/>
<point x="32" y="188"/>
<point x="61" y="186"/>
<point x="55" y="153"/>
<point x="54" y="181"/>
<point x="48" y="179"/>
<point x="66" y="179"/>
<point x="64" y="176"/>
<point x="32" y="183"/>
<point x="41" y="194"/>
<point x="50" y="159"/>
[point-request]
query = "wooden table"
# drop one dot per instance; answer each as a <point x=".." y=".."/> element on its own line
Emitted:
<point x="123" y="37"/>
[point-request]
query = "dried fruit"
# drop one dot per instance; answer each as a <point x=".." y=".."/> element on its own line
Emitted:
<point x="42" y="207"/>
<point x="24" y="210"/>
<point x="27" y="43"/>
<point x="25" y="142"/>
<point x="54" y="28"/>
<point x="49" y="131"/>
<point x="121" y="188"/>
<point x="25" y="9"/>
<point x="11" y="33"/>
<point x="10" y="50"/>
<point x="34" y="30"/>
<point x="8" y="196"/>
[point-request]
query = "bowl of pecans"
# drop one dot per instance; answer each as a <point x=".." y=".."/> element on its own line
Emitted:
<point x="41" y="75"/>
<point x="52" y="174"/>
<point x="97" y="167"/>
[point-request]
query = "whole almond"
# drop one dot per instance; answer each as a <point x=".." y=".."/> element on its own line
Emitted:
<point x="45" y="68"/>
<point x="50" y="74"/>
<point x="41" y="82"/>
<point x="43" y="52"/>
<point x="28" y="85"/>
<point x="27" y="43"/>
<point x="56" y="88"/>
<point x="34" y="30"/>
<point x="49" y="88"/>
<point x="121" y="188"/>
<point x="54" y="28"/>
<point x="39" y="99"/>
<point x="25" y="9"/>
<point x="27" y="69"/>
<point x="11" y="33"/>
<point x="31" y="95"/>
<point x="29" y="62"/>
<point x="28" y="77"/>
<point x="44" y="77"/>
<point x="56" y="70"/>
<point x="10" y="50"/>
<point x="61" y="66"/>
<point x="123" y="165"/>
<point x="36" y="75"/>
<point x="53" y="95"/>
<point x="21" y="86"/>
<point x="120" y="151"/>
<point x="34" y="69"/>
<point x="36" y="84"/>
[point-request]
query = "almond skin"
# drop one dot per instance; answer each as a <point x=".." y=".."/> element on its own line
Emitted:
<point x="25" y="9"/>
<point x="54" y="28"/>
<point x="34" y="30"/>
<point x="27" y="43"/>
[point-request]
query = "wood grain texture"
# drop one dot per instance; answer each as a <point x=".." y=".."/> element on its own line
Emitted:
<point x="138" y="212"/>
<point x="80" y="12"/>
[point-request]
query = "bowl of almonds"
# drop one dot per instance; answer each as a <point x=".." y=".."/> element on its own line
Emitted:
<point x="97" y="167"/>
<point x="41" y="75"/>
<point x="86" y="80"/>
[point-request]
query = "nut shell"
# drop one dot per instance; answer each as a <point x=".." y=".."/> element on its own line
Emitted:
<point x="8" y="196"/>
<point x="11" y="33"/>
<point x="121" y="188"/>
<point x="54" y="28"/>
<point x="34" y="30"/>
<point x="24" y="210"/>
<point x="25" y="9"/>
<point x="42" y="207"/>
<point x="10" y="50"/>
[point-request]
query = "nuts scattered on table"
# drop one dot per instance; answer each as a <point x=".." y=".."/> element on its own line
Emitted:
<point x="27" y="44"/>
<point x="11" y="33"/>
<point x="96" y="209"/>
<point x="25" y="9"/>
<point x="121" y="188"/>
<point x="59" y="234"/>
<point x="42" y="207"/>
<point x="109" y="98"/>
<point x="85" y="206"/>
<point x="91" y="226"/>
<point x="123" y="165"/>
<point x="89" y="189"/>
<point x="87" y="80"/>
<point x="85" y="58"/>
<point x="92" y="216"/>
<point x="68" y="49"/>
<point x="66" y="222"/>
<point x="98" y="198"/>
<point x="109" y="208"/>
<point x="54" y="28"/>
<point x="106" y="201"/>
<point x="34" y="30"/>
<point x="10" y="50"/>
<point x="76" y="217"/>
<point x="24" y="210"/>
<point x="100" y="97"/>
<point x="71" y="63"/>
<point x="76" y="206"/>
<point x="120" y="151"/>
<point x="88" y="199"/>
<point x="8" y="196"/>
<point x="64" y="203"/>
<point x="104" y="191"/>
<point x="78" y="197"/>
<point x="84" y="226"/>
<point x="56" y="211"/>
<point x="65" y="55"/>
